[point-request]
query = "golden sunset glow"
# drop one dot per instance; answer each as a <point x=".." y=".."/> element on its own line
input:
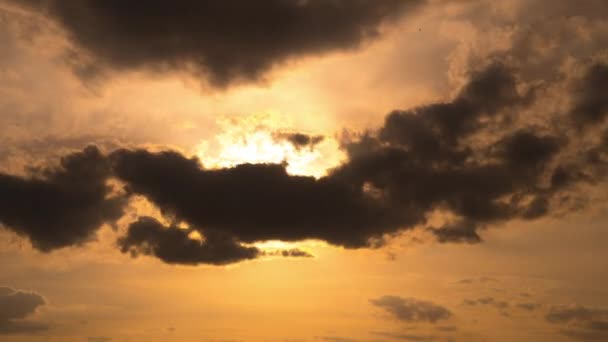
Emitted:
<point x="303" y="170"/>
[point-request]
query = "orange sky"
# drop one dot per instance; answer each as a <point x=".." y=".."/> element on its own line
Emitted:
<point x="509" y="287"/>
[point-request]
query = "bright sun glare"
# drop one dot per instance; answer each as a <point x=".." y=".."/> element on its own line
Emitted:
<point x="252" y="140"/>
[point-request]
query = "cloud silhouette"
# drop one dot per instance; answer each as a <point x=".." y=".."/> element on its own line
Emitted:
<point x="468" y="157"/>
<point x="411" y="309"/>
<point x="581" y="322"/>
<point x="15" y="305"/>
<point x="222" y="41"/>
<point x="61" y="206"/>
<point x="173" y="245"/>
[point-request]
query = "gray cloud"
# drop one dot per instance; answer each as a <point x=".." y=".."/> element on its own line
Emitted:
<point x="565" y="314"/>
<point x="173" y="245"/>
<point x="499" y="304"/>
<point x="411" y="309"/>
<point x="255" y="202"/>
<point x="591" y="103"/>
<point x="16" y="305"/>
<point x="60" y="206"/>
<point x="226" y="42"/>
<point x="581" y="322"/>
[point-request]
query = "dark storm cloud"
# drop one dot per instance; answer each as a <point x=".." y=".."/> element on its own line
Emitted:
<point x="227" y="41"/>
<point x="468" y="157"/>
<point x="255" y="202"/>
<point x="411" y="309"/>
<point x="60" y="206"/>
<point x="174" y="246"/>
<point x="16" y="305"/>
<point x="431" y="132"/>
<point x="427" y="158"/>
<point x="421" y="160"/>
<point x="580" y="322"/>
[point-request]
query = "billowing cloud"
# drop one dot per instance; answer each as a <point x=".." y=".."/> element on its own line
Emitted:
<point x="412" y="309"/>
<point x="60" y="206"/>
<point x="254" y="202"/>
<point x="15" y="305"/>
<point x="174" y="245"/>
<point x="473" y="158"/>
<point x="421" y="160"/>
<point x="225" y="41"/>
<point x="468" y="157"/>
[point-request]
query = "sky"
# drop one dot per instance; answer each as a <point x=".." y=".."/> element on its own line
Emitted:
<point x="303" y="170"/>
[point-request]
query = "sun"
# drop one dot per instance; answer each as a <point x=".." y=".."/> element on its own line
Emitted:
<point x="256" y="142"/>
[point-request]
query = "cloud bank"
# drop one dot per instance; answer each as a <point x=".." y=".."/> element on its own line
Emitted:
<point x="469" y="157"/>
<point x="223" y="41"/>
<point x="514" y="142"/>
